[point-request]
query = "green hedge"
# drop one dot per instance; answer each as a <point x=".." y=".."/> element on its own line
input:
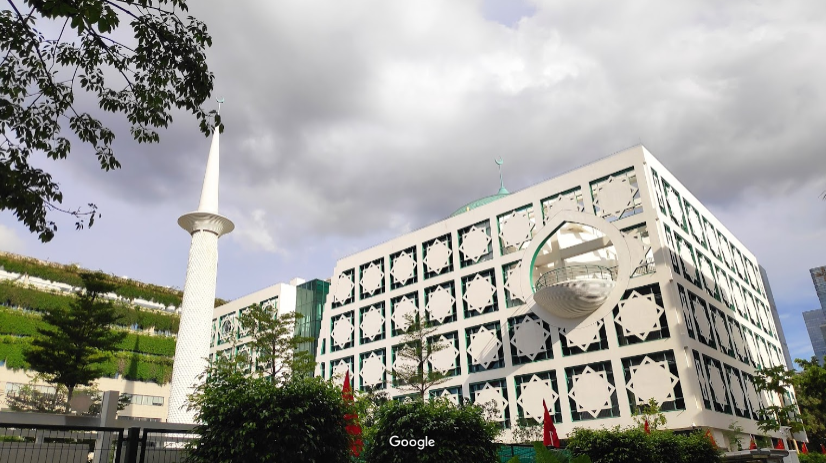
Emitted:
<point x="134" y="367"/>
<point x="155" y="345"/>
<point x="18" y="296"/>
<point x="18" y="323"/>
<point x="813" y="457"/>
<point x="15" y="322"/>
<point x="635" y="446"/>
<point x="70" y="274"/>
<point x="11" y="351"/>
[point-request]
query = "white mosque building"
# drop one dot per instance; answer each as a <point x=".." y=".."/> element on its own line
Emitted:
<point x="594" y="291"/>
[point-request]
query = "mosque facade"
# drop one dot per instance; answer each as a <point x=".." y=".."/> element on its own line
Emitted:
<point x="594" y="291"/>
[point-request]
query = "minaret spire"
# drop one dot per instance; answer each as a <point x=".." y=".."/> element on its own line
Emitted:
<point x="502" y="191"/>
<point x="205" y="226"/>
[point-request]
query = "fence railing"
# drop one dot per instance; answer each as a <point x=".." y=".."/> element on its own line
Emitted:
<point x="575" y="272"/>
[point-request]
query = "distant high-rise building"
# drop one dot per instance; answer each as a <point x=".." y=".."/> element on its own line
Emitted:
<point x="776" y="317"/>
<point x="819" y="279"/>
<point x="813" y="319"/>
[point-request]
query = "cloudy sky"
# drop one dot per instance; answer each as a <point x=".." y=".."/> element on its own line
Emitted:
<point x="349" y="123"/>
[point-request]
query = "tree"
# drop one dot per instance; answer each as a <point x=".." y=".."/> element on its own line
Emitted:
<point x="810" y="386"/>
<point x="777" y="381"/>
<point x="459" y="433"/>
<point x="162" y="66"/>
<point x="253" y="419"/>
<point x="651" y="413"/>
<point x="418" y="347"/>
<point x="74" y="342"/>
<point x="273" y="345"/>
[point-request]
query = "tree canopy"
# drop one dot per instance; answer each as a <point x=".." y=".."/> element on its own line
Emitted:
<point x="59" y="56"/>
<point x="74" y="342"/>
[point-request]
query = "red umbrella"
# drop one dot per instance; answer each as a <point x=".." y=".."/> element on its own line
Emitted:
<point x="647" y="429"/>
<point x="353" y="428"/>
<point x="780" y="445"/>
<point x="752" y="444"/>
<point x="804" y="450"/>
<point x="549" y="436"/>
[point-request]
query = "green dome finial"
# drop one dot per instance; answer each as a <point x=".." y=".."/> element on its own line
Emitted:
<point x="502" y="190"/>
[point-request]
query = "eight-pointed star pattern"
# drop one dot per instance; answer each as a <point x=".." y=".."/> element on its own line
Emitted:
<point x="652" y="380"/>
<point x="516" y="230"/>
<point x="344" y="288"/>
<point x="639" y="315"/>
<point x="372" y="279"/>
<point x="696" y="225"/>
<point x="703" y="324"/>
<point x="737" y="392"/>
<point x="474" y="244"/>
<point x="453" y="397"/>
<point x="718" y="386"/>
<point x="484" y="347"/>
<point x="708" y="276"/>
<point x="563" y="203"/>
<point x="341" y="369"/>
<point x="530" y="337"/>
<point x="513" y="285"/>
<point x="440" y="304"/>
<point x="342" y="331"/>
<point x="372" y="370"/>
<point x="688" y="261"/>
<point x="616" y="196"/>
<point x="402" y="311"/>
<point x="479" y="293"/>
<point x="674" y="205"/>
<point x="722" y="332"/>
<point x="437" y="257"/>
<point x="372" y="323"/>
<point x="583" y="336"/>
<point x="444" y="360"/>
<point x="711" y="239"/>
<point x="491" y="393"/>
<point x="404" y="267"/>
<point x="591" y="391"/>
<point x="531" y="395"/>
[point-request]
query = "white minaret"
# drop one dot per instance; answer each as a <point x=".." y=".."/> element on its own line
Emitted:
<point x="206" y="226"/>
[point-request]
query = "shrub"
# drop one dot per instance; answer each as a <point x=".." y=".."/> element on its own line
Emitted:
<point x="460" y="433"/>
<point x="635" y="446"/>
<point x="252" y="420"/>
<point x="812" y="458"/>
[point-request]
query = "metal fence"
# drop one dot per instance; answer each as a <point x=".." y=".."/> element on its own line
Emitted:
<point x="26" y="443"/>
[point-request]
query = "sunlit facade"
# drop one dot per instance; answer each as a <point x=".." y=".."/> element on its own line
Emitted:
<point x="594" y="291"/>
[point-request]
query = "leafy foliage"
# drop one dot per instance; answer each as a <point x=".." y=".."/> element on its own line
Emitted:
<point x="810" y="386"/>
<point x="275" y="348"/>
<point x="812" y="458"/>
<point x="649" y="412"/>
<point x="777" y="381"/>
<point x="416" y="350"/>
<point x="633" y="445"/>
<point x="461" y="433"/>
<point x="131" y="366"/>
<point x="74" y="341"/>
<point x="12" y="295"/>
<point x="545" y="455"/>
<point x="256" y="420"/>
<point x="39" y="76"/>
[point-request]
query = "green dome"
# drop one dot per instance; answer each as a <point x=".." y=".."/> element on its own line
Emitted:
<point x="481" y="202"/>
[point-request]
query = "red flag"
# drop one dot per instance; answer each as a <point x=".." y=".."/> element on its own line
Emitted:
<point x="710" y="437"/>
<point x="549" y="436"/>
<point x="780" y="445"/>
<point x="823" y="449"/>
<point x="804" y="450"/>
<point x="647" y="429"/>
<point x="353" y="428"/>
<point x="752" y="444"/>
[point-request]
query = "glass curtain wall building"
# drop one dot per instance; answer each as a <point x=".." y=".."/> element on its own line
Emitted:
<point x="309" y="303"/>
